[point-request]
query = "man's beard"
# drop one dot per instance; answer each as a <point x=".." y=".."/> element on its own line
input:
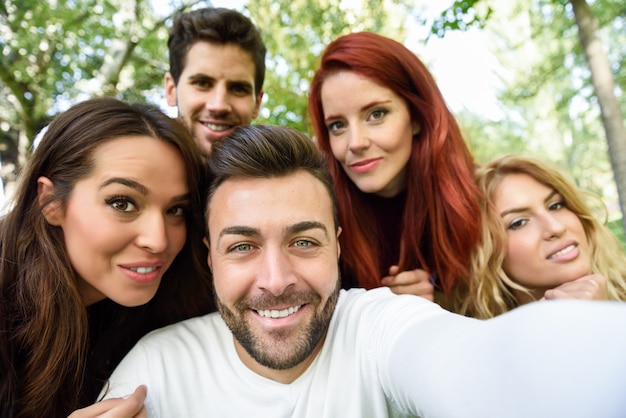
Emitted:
<point x="280" y="350"/>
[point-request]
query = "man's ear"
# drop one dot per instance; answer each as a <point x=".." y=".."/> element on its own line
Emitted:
<point x="338" y="246"/>
<point x="170" y="90"/>
<point x="50" y="208"/>
<point x="257" y="107"/>
<point x="208" y="257"/>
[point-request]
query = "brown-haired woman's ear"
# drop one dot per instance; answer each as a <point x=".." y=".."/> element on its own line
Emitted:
<point x="50" y="208"/>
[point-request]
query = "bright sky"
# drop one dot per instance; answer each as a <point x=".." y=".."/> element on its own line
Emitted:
<point x="460" y="62"/>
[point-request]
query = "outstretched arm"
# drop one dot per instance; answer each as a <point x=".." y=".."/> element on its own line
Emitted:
<point x="564" y="358"/>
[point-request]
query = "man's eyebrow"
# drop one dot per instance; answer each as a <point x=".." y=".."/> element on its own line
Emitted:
<point x="199" y="76"/>
<point x="296" y="228"/>
<point x="240" y="230"/>
<point x="126" y="182"/>
<point x="305" y="226"/>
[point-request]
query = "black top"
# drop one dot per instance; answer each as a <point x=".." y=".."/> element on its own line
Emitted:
<point x="388" y="215"/>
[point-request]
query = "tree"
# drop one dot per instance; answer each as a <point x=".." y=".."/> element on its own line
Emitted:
<point x="604" y="86"/>
<point x="558" y="80"/>
<point x="296" y="32"/>
<point x="57" y="53"/>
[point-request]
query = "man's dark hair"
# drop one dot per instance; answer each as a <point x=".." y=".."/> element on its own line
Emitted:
<point x="266" y="151"/>
<point x="218" y="26"/>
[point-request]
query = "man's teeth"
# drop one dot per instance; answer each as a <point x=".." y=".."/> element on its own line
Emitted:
<point x="563" y="251"/>
<point x="217" y="128"/>
<point x="143" y="270"/>
<point x="273" y="313"/>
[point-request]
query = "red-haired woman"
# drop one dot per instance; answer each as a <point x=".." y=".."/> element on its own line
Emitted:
<point x="408" y="205"/>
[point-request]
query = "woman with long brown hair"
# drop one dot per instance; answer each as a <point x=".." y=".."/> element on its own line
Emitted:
<point x="102" y="244"/>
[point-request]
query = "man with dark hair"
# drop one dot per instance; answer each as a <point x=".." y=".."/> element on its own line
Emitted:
<point x="287" y="342"/>
<point x="217" y="68"/>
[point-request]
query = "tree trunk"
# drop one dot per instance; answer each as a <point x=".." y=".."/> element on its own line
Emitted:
<point x="604" y="86"/>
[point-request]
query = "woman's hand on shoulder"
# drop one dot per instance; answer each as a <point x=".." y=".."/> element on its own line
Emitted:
<point x="127" y="407"/>
<point x="590" y="287"/>
<point x="411" y="282"/>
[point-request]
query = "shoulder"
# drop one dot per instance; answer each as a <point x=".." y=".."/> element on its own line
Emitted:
<point x="384" y="300"/>
<point x="186" y="332"/>
<point x="381" y="311"/>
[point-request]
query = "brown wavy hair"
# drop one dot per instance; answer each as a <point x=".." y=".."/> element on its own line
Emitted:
<point x="50" y="361"/>
<point x="440" y="221"/>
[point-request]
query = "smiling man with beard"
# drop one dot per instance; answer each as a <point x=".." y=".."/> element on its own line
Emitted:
<point x="288" y="343"/>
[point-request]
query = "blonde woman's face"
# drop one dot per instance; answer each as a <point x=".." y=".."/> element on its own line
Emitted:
<point x="547" y="245"/>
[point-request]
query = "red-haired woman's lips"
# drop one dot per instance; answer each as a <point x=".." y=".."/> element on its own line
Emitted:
<point x="365" y="166"/>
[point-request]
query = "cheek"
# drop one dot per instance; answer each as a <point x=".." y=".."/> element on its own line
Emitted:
<point x="91" y="248"/>
<point x="83" y="236"/>
<point x="178" y="237"/>
<point x="230" y="282"/>
<point x="514" y="252"/>
<point x="324" y="280"/>
<point x="338" y="149"/>
<point x="403" y="148"/>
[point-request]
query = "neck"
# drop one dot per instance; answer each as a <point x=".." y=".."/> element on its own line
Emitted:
<point x="284" y="376"/>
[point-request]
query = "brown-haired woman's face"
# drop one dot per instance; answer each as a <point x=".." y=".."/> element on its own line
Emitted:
<point x="124" y="223"/>
<point x="547" y="245"/>
<point x="370" y="132"/>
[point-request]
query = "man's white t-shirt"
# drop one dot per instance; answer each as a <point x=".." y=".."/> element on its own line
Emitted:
<point x="398" y="356"/>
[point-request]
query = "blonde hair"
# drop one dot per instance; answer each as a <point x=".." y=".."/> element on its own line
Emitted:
<point x="491" y="291"/>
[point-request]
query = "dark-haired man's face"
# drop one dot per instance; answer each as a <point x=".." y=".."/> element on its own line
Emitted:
<point x="273" y="251"/>
<point x="215" y="92"/>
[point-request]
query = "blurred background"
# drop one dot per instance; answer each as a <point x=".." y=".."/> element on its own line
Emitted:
<point x="537" y="77"/>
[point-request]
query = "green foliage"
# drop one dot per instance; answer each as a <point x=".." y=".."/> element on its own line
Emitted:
<point x="59" y="52"/>
<point x="295" y="39"/>
<point x="617" y="228"/>
<point x="56" y="53"/>
<point x="461" y="15"/>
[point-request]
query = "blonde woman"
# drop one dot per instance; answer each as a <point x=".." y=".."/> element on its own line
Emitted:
<point x="540" y="240"/>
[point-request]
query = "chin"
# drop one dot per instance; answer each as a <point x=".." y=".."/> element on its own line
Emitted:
<point x="134" y="301"/>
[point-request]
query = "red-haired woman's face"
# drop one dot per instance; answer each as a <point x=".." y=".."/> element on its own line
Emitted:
<point x="370" y="132"/>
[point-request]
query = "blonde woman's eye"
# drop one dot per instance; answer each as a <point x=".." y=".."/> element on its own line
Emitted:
<point x="557" y="205"/>
<point x="517" y="224"/>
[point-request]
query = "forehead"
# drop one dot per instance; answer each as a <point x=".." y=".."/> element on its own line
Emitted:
<point x="220" y="61"/>
<point x="364" y="91"/>
<point x="519" y="189"/>
<point x="120" y="155"/>
<point x="270" y="204"/>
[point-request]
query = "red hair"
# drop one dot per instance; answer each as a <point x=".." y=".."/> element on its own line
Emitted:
<point x="441" y="222"/>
